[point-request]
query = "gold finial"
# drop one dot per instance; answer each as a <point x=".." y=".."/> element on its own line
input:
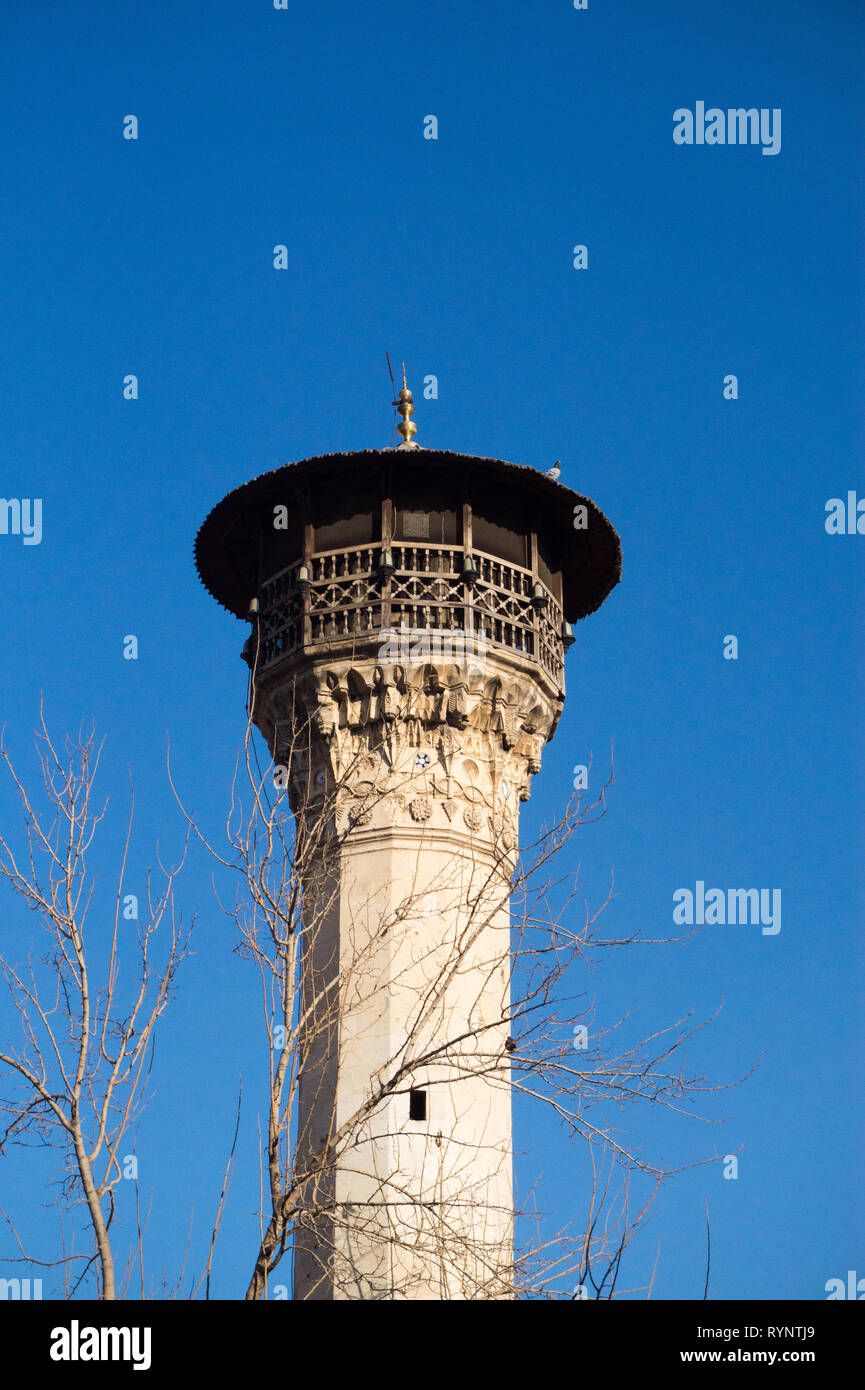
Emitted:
<point x="405" y="408"/>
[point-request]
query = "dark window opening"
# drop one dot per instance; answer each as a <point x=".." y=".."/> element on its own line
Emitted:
<point x="495" y="538"/>
<point x="417" y="1105"/>
<point x="415" y="525"/>
<point x="421" y="514"/>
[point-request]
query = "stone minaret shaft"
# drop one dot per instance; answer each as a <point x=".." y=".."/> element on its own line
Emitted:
<point x="418" y="774"/>
<point x="412" y="612"/>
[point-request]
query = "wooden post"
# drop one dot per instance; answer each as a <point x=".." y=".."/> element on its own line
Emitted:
<point x="468" y="593"/>
<point x="308" y="546"/>
<point x="536" y="617"/>
<point x="387" y="524"/>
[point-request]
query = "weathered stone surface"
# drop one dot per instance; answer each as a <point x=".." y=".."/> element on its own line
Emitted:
<point x="416" y="776"/>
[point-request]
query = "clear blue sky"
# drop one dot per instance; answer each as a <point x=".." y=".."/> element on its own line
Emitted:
<point x="305" y="127"/>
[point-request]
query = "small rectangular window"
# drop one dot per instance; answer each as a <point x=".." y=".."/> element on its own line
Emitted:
<point x="417" y="1105"/>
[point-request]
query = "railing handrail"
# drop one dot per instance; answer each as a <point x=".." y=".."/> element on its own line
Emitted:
<point x="409" y="545"/>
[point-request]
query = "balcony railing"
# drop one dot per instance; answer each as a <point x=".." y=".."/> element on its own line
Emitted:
<point x="348" y="594"/>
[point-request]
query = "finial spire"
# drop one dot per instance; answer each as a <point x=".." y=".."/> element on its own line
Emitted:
<point x="405" y="408"/>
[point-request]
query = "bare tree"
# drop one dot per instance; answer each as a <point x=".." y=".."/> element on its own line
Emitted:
<point x="76" y="1076"/>
<point x="370" y="1206"/>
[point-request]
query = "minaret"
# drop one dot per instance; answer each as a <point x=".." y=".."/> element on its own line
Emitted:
<point x="411" y="612"/>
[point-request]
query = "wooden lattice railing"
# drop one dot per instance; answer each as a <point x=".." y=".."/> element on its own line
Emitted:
<point x="348" y="595"/>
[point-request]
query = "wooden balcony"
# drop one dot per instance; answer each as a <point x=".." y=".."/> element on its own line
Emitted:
<point x="349" y="596"/>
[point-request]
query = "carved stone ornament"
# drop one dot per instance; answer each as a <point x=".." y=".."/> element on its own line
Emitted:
<point x="412" y="704"/>
<point x="406" y="741"/>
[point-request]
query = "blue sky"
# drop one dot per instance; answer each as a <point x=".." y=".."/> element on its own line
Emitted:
<point x="154" y="257"/>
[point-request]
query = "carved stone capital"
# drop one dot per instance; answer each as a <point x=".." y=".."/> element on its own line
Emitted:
<point x="376" y="745"/>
